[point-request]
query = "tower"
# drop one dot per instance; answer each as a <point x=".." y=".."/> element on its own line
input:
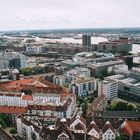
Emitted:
<point x="86" y="41"/>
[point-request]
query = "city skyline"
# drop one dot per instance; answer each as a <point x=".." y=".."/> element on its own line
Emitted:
<point x="62" y="14"/>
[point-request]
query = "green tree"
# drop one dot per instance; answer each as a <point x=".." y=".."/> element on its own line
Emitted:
<point x="90" y="99"/>
<point x="6" y="119"/>
<point x="33" y="135"/>
<point x="2" y="123"/>
<point x="84" y="108"/>
<point x="13" y="131"/>
<point x="101" y="77"/>
<point x="121" y="137"/>
<point x="26" y="71"/>
<point x="130" y="107"/>
<point x="80" y="100"/>
<point x="121" y="106"/>
<point x="104" y="73"/>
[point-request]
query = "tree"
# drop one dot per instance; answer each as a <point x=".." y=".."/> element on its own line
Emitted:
<point x="13" y="131"/>
<point x="104" y="73"/>
<point x="33" y="136"/>
<point x="80" y="99"/>
<point x="2" y="123"/>
<point x="95" y="93"/>
<point x="84" y="108"/>
<point x="130" y="107"/>
<point x="90" y="99"/>
<point x="26" y="71"/>
<point x="121" y="106"/>
<point x="121" y="137"/>
<point x="101" y="77"/>
<point x="6" y="119"/>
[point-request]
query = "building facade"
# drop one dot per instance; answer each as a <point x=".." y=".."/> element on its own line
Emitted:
<point x="108" y="88"/>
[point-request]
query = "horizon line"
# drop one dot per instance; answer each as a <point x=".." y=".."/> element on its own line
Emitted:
<point x="53" y="29"/>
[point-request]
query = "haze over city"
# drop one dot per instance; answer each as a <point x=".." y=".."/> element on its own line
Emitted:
<point x="56" y="14"/>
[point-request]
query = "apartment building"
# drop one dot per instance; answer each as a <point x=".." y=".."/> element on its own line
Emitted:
<point x="39" y="99"/>
<point x="20" y="100"/>
<point x="83" y="86"/>
<point x="108" y="88"/>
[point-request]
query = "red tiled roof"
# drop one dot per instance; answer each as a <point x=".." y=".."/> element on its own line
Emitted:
<point x="10" y="94"/>
<point x="35" y="84"/>
<point x="130" y="127"/>
<point x="27" y="97"/>
<point x="13" y="110"/>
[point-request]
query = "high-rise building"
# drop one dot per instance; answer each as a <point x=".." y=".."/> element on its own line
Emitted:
<point x="108" y="88"/>
<point x="86" y="40"/>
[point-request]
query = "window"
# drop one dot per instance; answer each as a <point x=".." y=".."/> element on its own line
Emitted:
<point x="84" y="86"/>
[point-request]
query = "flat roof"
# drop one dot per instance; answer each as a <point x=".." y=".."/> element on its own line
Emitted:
<point x="121" y="114"/>
<point x="118" y="76"/>
<point x="129" y="80"/>
<point x="107" y="63"/>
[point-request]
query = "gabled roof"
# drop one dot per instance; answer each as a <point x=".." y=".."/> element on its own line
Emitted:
<point x="79" y="126"/>
<point x="83" y="120"/>
<point x="64" y="134"/>
<point x="91" y="126"/>
<point x="108" y="126"/>
<point x="62" y="128"/>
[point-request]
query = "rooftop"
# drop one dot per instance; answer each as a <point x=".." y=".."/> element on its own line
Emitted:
<point x="34" y="84"/>
<point x="13" y="110"/>
<point x="129" y="127"/>
<point x="83" y="80"/>
<point x="107" y="63"/>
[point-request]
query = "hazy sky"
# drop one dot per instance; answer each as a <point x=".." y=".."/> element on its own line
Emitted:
<point x="49" y="14"/>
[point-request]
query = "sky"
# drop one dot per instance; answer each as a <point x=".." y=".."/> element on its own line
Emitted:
<point x="59" y="14"/>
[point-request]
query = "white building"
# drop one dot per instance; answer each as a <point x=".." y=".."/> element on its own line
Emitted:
<point x="27" y="130"/>
<point x="93" y="130"/>
<point x="49" y="98"/>
<point x="34" y="49"/>
<point x="65" y="108"/>
<point x="83" y="86"/>
<point x="78" y="121"/>
<point x="77" y="72"/>
<point x="108" y="132"/>
<point x="119" y="69"/>
<point x="59" y="80"/>
<point x="14" y="99"/>
<point x="12" y="60"/>
<point x="108" y="88"/>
